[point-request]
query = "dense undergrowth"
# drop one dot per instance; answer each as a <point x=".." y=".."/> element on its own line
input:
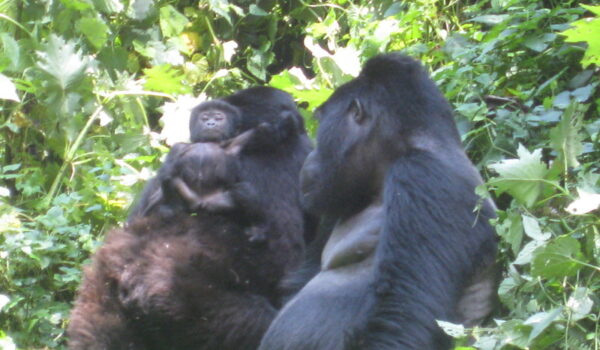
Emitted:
<point x="91" y="91"/>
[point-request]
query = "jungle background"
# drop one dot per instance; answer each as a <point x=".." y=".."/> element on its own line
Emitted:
<point x="92" y="93"/>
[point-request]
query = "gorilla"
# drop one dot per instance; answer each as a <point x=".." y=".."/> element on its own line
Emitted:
<point x="271" y="111"/>
<point x="193" y="277"/>
<point x="214" y="121"/>
<point x="411" y="242"/>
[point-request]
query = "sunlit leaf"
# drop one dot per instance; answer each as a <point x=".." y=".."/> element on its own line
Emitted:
<point x="579" y="303"/>
<point x="95" y="30"/>
<point x="62" y="61"/>
<point x="556" y="259"/>
<point x="587" y="30"/>
<point x="140" y="9"/>
<point x="8" y="91"/>
<point x="587" y="202"/>
<point x="523" y="177"/>
<point x="541" y="321"/>
<point x="533" y="230"/>
<point x="166" y="79"/>
<point x="172" y="22"/>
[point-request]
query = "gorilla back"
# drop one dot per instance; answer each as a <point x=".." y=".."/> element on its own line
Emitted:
<point x="408" y="248"/>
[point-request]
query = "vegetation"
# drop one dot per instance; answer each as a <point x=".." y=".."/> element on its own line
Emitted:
<point x="91" y="91"/>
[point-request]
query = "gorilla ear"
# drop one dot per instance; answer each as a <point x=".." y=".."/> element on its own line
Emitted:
<point x="355" y="111"/>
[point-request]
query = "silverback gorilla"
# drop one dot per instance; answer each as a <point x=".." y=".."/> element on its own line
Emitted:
<point x="407" y="247"/>
<point x="192" y="279"/>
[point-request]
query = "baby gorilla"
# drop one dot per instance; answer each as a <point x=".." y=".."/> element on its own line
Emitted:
<point x="205" y="176"/>
<point x="214" y="121"/>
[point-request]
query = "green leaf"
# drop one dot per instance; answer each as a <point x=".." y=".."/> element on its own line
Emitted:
<point x="257" y="11"/>
<point x="140" y="9"/>
<point x="533" y="230"/>
<point x="95" y="30"/>
<point x="79" y="5"/>
<point x="586" y="30"/>
<point x="221" y="7"/>
<point x="8" y="91"/>
<point x="541" y="321"/>
<point x="11" y="51"/>
<point x="109" y="6"/>
<point x="580" y="304"/>
<point x="172" y="22"/>
<point x="556" y="259"/>
<point x="565" y="137"/>
<point x="62" y="61"/>
<point x="166" y="79"/>
<point x="522" y="178"/>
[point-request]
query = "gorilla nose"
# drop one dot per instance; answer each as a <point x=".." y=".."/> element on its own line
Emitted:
<point x="211" y="124"/>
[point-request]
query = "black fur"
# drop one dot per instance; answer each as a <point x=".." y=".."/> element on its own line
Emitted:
<point x="408" y="247"/>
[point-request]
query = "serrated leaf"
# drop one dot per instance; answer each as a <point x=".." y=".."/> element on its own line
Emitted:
<point x="522" y="178"/>
<point x="579" y="303"/>
<point x="166" y="79"/>
<point x="62" y="61"/>
<point x="8" y="91"/>
<point x="586" y="30"/>
<point x="556" y="259"/>
<point x="172" y="22"/>
<point x="565" y="137"/>
<point x="541" y="321"/>
<point x="95" y="30"/>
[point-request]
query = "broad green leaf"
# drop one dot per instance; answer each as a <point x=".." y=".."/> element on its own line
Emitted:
<point x="62" y="61"/>
<point x="580" y="304"/>
<point x="8" y="91"/>
<point x="556" y="259"/>
<point x="172" y="22"/>
<point x="526" y="254"/>
<point x="221" y="7"/>
<point x="95" y="30"/>
<point x="522" y="178"/>
<point x="587" y="30"/>
<point x="533" y="230"/>
<point x="166" y="79"/>
<point x="541" y="321"/>
<point x="565" y="137"/>
<point x="11" y="51"/>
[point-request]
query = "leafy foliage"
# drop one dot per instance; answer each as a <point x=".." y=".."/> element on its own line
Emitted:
<point x="93" y="91"/>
